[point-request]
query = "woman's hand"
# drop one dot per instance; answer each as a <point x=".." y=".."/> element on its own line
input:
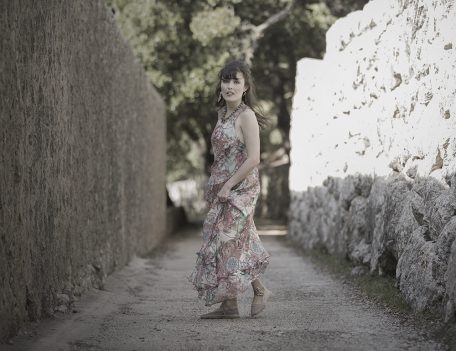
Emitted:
<point x="224" y="192"/>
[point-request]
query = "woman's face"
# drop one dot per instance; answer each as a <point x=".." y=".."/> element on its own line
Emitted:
<point x="233" y="88"/>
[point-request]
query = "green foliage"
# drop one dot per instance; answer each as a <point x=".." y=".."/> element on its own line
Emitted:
<point x="319" y="16"/>
<point x="211" y="24"/>
<point x="183" y="43"/>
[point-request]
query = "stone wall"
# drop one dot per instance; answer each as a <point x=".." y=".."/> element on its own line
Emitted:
<point x="82" y="148"/>
<point x="373" y="157"/>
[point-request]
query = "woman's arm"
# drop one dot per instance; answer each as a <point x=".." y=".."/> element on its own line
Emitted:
<point x="251" y="133"/>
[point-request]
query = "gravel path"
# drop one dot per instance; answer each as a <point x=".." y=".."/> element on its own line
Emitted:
<point x="149" y="305"/>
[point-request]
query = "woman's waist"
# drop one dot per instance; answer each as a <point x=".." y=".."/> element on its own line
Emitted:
<point x="228" y="160"/>
<point x="221" y="176"/>
<point x="249" y="185"/>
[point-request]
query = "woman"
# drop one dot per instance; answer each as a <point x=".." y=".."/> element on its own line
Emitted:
<point x="232" y="256"/>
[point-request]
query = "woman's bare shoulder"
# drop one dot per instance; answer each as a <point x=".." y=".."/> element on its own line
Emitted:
<point x="247" y="116"/>
<point x="248" y="113"/>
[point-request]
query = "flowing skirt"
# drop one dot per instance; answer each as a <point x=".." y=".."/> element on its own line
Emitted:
<point x="232" y="254"/>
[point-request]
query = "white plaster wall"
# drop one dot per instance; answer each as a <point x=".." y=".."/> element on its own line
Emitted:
<point x="382" y="99"/>
<point x="373" y="147"/>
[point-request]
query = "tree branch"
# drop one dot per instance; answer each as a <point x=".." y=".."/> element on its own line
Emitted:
<point x="250" y="43"/>
<point x="274" y="18"/>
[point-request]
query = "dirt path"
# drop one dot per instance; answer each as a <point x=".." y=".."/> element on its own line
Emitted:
<point x="149" y="305"/>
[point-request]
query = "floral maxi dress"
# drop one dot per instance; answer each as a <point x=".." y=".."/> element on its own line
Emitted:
<point x="232" y="255"/>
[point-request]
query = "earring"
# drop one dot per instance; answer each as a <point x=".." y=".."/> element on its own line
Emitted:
<point x="220" y="97"/>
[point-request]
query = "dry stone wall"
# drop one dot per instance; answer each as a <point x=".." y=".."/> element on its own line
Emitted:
<point x="373" y="157"/>
<point x="82" y="145"/>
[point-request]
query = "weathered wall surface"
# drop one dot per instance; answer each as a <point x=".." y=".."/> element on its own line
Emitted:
<point x="374" y="147"/>
<point x="82" y="145"/>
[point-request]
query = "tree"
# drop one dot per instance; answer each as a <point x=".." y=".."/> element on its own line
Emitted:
<point x="182" y="44"/>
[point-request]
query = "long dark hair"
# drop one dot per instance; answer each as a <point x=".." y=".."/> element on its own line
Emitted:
<point x="249" y="98"/>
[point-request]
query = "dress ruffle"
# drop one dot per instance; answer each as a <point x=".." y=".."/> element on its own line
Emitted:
<point x="226" y="268"/>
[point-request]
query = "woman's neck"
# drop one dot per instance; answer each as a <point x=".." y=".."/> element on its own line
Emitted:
<point x="231" y="105"/>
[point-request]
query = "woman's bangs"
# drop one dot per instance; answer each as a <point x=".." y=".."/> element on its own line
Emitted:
<point x="229" y="73"/>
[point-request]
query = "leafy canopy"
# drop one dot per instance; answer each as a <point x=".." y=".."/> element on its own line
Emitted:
<point x="183" y="43"/>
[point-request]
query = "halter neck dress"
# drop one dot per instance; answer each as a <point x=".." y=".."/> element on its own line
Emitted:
<point x="232" y="254"/>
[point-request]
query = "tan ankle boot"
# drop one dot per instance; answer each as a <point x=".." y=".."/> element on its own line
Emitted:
<point x="256" y="308"/>
<point x="225" y="311"/>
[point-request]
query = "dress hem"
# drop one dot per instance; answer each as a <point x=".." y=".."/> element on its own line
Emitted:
<point x="255" y="272"/>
